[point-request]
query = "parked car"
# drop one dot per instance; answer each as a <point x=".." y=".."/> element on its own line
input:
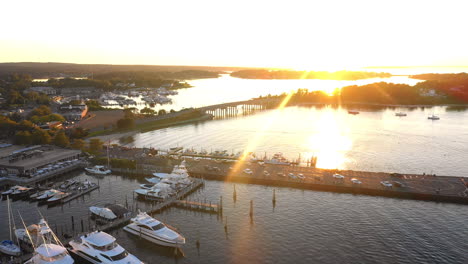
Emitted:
<point x="338" y="176"/>
<point x="386" y="184"/>
<point x="356" y="181"/>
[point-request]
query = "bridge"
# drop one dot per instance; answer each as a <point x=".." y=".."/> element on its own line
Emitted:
<point x="244" y="107"/>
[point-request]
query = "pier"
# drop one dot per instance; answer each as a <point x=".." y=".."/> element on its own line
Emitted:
<point x="408" y="186"/>
<point x="198" y="206"/>
<point x="79" y="194"/>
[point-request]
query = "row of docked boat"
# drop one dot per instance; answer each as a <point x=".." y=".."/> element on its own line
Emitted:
<point x="143" y="226"/>
<point x="164" y="185"/>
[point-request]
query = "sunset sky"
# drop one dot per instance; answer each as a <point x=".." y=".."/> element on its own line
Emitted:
<point x="292" y="34"/>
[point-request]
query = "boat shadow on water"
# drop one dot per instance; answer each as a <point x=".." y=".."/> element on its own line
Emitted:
<point x="149" y="248"/>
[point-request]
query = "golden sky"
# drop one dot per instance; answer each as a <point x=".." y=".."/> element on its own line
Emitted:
<point x="305" y="34"/>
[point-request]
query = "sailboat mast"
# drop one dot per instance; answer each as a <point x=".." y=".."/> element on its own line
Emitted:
<point x="9" y="216"/>
<point x="108" y="162"/>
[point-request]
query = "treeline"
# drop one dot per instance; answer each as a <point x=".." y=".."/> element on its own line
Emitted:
<point x="47" y="70"/>
<point x="322" y="75"/>
<point x="155" y="79"/>
<point x="453" y="84"/>
<point x="27" y="133"/>
<point x="375" y="93"/>
<point x="12" y="89"/>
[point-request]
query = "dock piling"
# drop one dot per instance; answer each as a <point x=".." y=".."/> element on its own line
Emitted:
<point x="251" y="210"/>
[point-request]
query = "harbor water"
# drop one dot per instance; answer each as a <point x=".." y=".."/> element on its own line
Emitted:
<point x="302" y="227"/>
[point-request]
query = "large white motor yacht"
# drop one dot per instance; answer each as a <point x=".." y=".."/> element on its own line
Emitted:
<point x="159" y="191"/>
<point x="154" y="231"/>
<point x="100" y="247"/>
<point x="50" y="254"/>
<point x="99" y="170"/>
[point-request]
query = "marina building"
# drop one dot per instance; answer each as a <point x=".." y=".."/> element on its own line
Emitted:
<point x="20" y="161"/>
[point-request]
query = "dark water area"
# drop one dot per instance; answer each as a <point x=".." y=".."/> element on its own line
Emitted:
<point x="302" y="227"/>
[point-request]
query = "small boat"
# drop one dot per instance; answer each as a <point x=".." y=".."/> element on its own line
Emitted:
<point x="400" y="114"/>
<point x="100" y="247"/>
<point x="11" y="190"/>
<point x="50" y="253"/>
<point x="8" y="247"/>
<point x="433" y="117"/>
<point x="146" y="186"/>
<point x="47" y="194"/>
<point x="20" y="192"/>
<point x="353" y="112"/>
<point x="99" y="170"/>
<point x="103" y="212"/>
<point x="58" y="197"/>
<point x="154" y="231"/>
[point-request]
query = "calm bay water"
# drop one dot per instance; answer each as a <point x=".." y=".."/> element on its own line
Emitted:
<point x="303" y="227"/>
<point x="374" y="140"/>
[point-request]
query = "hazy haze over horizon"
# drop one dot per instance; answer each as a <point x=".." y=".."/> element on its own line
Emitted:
<point x="320" y="34"/>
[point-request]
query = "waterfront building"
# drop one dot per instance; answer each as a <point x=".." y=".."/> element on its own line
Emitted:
<point x="20" y="161"/>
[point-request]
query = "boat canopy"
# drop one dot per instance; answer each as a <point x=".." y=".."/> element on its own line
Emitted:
<point x="99" y="238"/>
<point x="50" y="250"/>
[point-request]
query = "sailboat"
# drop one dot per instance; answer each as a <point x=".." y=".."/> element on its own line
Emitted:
<point x="48" y="249"/>
<point x="8" y="246"/>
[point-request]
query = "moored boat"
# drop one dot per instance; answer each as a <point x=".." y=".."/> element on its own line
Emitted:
<point x="103" y="212"/>
<point x="100" y="247"/>
<point x="98" y="169"/>
<point x="154" y="231"/>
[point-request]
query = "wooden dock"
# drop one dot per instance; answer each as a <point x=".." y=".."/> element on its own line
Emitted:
<point x="156" y="207"/>
<point x="198" y="206"/>
<point x="78" y="194"/>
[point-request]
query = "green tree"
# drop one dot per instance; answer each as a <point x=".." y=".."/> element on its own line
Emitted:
<point x="95" y="145"/>
<point x="26" y="125"/>
<point x="162" y="112"/>
<point x="125" y="123"/>
<point x="41" y="111"/>
<point x="41" y="137"/>
<point x="78" y="144"/>
<point x="23" y="138"/>
<point x="61" y="139"/>
<point x="147" y="111"/>
<point x="78" y="132"/>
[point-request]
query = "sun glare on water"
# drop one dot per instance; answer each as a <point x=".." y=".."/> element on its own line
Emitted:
<point x="331" y="143"/>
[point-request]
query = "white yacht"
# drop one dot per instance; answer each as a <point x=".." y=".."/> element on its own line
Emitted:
<point x="100" y="247"/>
<point x="50" y="253"/>
<point x="159" y="191"/>
<point x="154" y="231"/>
<point x="278" y="159"/>
<point x="99" y="170"/>
<point x="103" y="212"/>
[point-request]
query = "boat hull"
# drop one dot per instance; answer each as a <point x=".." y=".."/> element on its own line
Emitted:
<point x="9" y="248"/>
<point x="152" y="239"/>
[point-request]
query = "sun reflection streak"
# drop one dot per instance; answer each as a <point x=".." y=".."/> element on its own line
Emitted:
<point x="330" y="143"/>
<point x="253" y="143"/>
